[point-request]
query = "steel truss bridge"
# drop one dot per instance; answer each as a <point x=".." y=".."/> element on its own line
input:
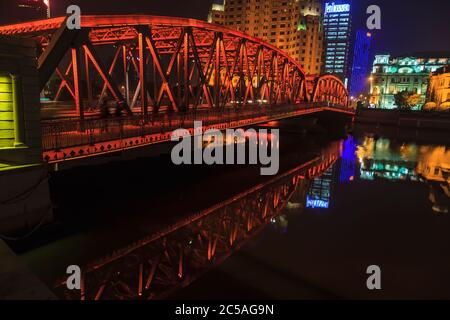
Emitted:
<point x="165" y="72"/>
<point x="173" y="258"/>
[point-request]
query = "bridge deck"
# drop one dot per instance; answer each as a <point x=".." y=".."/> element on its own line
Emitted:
<point x="73" y="139"/>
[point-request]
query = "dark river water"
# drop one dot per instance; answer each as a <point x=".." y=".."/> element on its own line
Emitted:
<point x="340" y="203"/>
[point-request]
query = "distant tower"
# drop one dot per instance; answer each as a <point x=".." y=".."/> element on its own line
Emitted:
<point x="360" y="69"/>
<point x="47" y="3"/>
<point x="337" y="24"/>
<point x="28" y="10"/>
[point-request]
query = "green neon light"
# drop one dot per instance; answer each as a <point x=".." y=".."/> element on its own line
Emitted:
<point x="302" y="24"/>
<point x="301" y="27"/>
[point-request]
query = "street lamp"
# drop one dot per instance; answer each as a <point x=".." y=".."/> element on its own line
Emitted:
<point x="371" y="84"/>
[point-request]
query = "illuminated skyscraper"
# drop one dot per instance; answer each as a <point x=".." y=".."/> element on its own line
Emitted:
<point x="292" y="26"/>
<point x="359" y="83"/>
<point x="28" y="10"/>
<point x="47" y="3"/>
<point x="337" y="26"/>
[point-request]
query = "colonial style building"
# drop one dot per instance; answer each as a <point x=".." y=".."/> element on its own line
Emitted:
<point x="293" y="26"/>
<point x="391" y="75"/>
<point x="438" y="95"/>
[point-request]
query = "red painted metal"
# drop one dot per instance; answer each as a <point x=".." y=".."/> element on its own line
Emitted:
<point x="143" y="74"/>
<point x="77" y="83"/>
<point x="330" y="89"/>
<point x="110" y="71"/>
<point x="64" y="82"/>
<point x="242" y="68"/>
<point x="62" y="141"/>
<point x="171" y="64"/>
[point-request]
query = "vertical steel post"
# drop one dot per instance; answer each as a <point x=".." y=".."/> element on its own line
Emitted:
<point x="186" y="70"/>
<point x="143" y="74"/>
<point x="126" y="75"/>
<point x="88" y="79"/>
<point x="217" y="73"/>
<point x="77" y="84"/>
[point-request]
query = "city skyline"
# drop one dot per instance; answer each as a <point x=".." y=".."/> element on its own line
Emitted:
<point x="411" y="33"/>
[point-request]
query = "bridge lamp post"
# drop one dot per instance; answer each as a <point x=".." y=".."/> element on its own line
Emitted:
<point x="371" y="84"/>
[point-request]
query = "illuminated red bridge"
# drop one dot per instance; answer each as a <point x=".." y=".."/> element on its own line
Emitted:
<point x="163" y="73"/>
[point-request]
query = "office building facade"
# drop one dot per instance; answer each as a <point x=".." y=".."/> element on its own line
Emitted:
<point x="337" y="27"/>
<point x="28" y="10"/>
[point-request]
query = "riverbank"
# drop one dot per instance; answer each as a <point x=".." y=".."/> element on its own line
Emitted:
<point x="18" y="282"/>
<point x="405" y="118"/>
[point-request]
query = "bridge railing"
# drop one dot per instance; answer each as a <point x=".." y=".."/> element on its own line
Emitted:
<point x="59" y="134"/>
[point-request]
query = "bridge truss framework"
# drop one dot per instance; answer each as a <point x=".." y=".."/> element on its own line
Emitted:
<point x="174" y="62"/>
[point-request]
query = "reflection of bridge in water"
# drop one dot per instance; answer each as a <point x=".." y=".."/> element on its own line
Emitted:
<point x="173" y="258"/>
<point x="164" y="73"/>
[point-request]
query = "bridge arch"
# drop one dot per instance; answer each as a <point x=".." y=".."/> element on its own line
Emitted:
<point x="181" y="63"/>
<point x="330" y="89"/>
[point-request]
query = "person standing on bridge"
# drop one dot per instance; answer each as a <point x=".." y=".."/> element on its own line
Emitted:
<point x="104" y="108"/>
<point x="123" y="105"/>
<point x="104" y="114"/>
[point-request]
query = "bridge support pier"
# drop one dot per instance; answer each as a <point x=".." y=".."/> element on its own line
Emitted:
<point x="24" y="193"/>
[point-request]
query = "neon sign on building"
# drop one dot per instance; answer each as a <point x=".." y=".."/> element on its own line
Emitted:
<point x="316" y="203"/>
<point x="336" y="8"/>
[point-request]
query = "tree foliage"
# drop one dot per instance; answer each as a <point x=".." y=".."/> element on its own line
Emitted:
<point x="407" y="99"/>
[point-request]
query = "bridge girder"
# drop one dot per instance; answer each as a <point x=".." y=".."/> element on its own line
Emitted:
<point x="187" y="62"/>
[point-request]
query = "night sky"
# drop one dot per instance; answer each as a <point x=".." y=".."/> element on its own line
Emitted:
<point x="407" y="25"/>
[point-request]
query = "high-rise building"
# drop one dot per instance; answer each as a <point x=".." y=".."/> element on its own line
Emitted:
<point x="409" y="72"/>
<point x="47" y="3"/>
<point x="28" y="10"/>
<point x="360" y="70"/>
<point x="337" y="26"/>
<point x="217" y="13"/>
<point x="292" y="26"/>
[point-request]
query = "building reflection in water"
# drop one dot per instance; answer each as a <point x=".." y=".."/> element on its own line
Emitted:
<point x="319" y="195"/>
<point x="384" y="159"/>
<point x="320" y="192"/>
<point x="348" y="161"/>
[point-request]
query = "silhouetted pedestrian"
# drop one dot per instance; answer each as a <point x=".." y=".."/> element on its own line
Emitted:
<point x="104" y="109"/>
